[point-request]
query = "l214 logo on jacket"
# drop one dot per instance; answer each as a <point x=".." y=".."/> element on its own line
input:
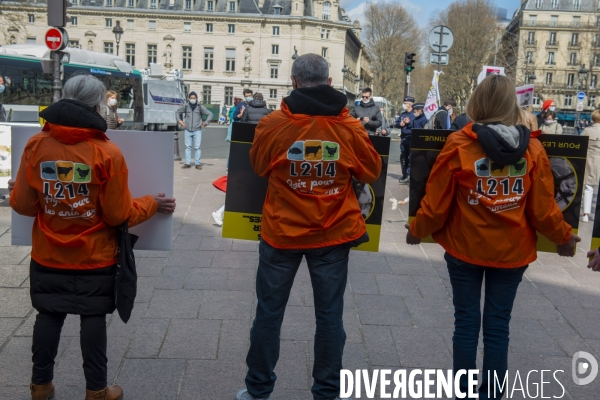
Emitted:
<point x="314" y="150"/>
<point x="65" y="171"/>
<point x="487" y="168"/>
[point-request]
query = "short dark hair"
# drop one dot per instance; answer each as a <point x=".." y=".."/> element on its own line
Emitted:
<point x="247" y="91"/>
<point x="450" y="102"/>
<point x="257" y="96"/>
<point x="367" y="90"/>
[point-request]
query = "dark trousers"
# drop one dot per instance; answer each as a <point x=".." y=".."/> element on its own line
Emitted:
<point x="328" y="269"/>
<point x="405" y="156"/>
<point x="500" y="290"/>
<point x="46" y="336"/>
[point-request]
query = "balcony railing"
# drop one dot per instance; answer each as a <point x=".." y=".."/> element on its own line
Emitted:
<point x="572" y="45"/>
<point x="551" y="44"/>
<point x="531" y="43"/>
<point x="551" y="24"/>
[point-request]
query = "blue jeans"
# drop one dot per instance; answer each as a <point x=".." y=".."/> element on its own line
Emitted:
<point x="196" y="138"/>
<point x="405" y="143"/>
<point x="277" y="268"/>
<point x="500" y="290"/>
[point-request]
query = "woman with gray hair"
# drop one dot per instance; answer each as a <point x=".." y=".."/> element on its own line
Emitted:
<point x="73" y="180"/>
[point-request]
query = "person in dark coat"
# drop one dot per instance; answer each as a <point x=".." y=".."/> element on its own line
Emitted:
<point x="460" y="122"/>
<point x="73" y="180"/>
<point x="239" y="109"/>
<point x="547" y="105"/>
<point x="443" y="116"/>
<point x="367" y="112"/>
<point x="420" y="120"/>
<point x="405" y="124"/>
<point x="257" y="109"/>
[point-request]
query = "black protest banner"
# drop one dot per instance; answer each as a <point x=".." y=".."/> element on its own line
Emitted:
<point x="246" y="191"/>
<point x="567" y="155"/>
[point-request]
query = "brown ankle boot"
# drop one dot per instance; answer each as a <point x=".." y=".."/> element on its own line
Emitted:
<point x="42" y="392"/>
<point x="113" y="392"/>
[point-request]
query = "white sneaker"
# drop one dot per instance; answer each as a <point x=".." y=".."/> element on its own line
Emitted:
<point x="218" y="219"/>
<point x="585" y="218"/>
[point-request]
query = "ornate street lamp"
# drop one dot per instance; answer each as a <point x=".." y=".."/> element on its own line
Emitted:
<point x="345" y="70"/>
<point x="295" y="54"/>
<point x="532" y="78"/>
<point x="118" y="31"/>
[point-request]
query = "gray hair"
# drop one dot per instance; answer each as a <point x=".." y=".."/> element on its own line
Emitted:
<point x="310" y="70"/>
<point x="86" y="89"/>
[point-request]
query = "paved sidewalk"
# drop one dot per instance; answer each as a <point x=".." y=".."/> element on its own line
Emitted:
<point x="189" y="333"/>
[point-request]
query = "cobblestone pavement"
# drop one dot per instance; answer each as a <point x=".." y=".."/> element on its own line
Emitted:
<point x="189" y="333"/>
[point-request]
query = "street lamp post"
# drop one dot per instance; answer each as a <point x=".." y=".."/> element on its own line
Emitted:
<point x="118" y="31"/>
<point x="295" y="55"/>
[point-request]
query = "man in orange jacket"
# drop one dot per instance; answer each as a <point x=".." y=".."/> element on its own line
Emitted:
<point x="310" y="150"/>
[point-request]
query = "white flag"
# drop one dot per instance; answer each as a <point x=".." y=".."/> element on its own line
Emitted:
<point x="433" y="97"/>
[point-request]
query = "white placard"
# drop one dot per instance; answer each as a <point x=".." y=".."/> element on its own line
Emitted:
<point x="525" y="95"/>
<point x="488" y="70"/>
<point x="149" y="158"/>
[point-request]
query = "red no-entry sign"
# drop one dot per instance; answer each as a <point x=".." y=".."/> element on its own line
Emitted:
<point x="56" y="39"/>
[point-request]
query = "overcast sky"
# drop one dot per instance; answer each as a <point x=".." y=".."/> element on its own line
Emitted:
<point x="422" y="10"/>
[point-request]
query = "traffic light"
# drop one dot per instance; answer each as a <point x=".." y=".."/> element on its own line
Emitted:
<point x="57" y="13"/>
<point x="408" y="61"/>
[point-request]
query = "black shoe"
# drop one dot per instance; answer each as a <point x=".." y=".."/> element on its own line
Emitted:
<point x="404" y="181"/>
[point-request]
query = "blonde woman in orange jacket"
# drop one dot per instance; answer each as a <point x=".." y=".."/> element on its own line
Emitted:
<point x="490" y="190"/>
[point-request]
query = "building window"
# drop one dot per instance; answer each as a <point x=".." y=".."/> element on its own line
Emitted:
<point x="325" y="33"/>
<point x="550" y="58"/>
<point x="74" y="21"/>
<point x="152" y="25"/>
<point x="554" y="20"/>
<point x="568" y="100"/>
<point x="74" y="2"/>
<point x="593" y="81"/>
<point x="31" y="40"/>
<point x="549" y="78"/>
<point x="272" y="93"/>
<point x="570" y="80"/>
<point x="324" y="52"/>
<point x="187" y="26"/>
<point x="576" y="21"/>
<point x="209" y="53"/>
<point x="108" y="3"/>
<point x="152" y="3"/>
<point x="275" y="49"/>
<point x="131" y="3"/>
<point x="576" y="4"/>
<point x="209" y="27"/>
<point x="108" y="22"/>
<point x="188" y="4"/>
<point x="31" y="18"/>
<point x="597" y="22"/>
<point x="130" y="53"/>
<point x="187" y="57"/>
<point x="536" y="101"/>
<point x="210" y="5"/>
<point x="230" y="28"/>
<point x="206" y="92"/>
<point x="275" y="31"/>
<point x="529" y="57"/>
<point x="74" y="44"/>
<point x="230" y="60"/>
<point x="596" y="60"/>
<point x="228" y="95"/>
<point x="573" y="59"/>
<point x="130" y="24"/>
<point x="592" y="101"/>
<point x="274" y="71"/>
<point x="554" y="4"/>
<point x="326" y="10"/>
<point x="539" y="3"/>
<point x="575" y="39"/>
<point x="531" y="38"/>
<point x="532" y="20"/>
<point x="152" y="54"/>
<point x="108" y="47"/>
<point x="552" y="41"/>
<point x="232" y="6"/>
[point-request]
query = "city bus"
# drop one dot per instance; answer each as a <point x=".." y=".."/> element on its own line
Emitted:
<point x="28" y="89"/>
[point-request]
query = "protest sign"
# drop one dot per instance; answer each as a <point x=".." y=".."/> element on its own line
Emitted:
<point x="150" y="172"/>
<point x="525" y="96"/>
<point x="246" y="191"/>
<point x="488" y="70"/>
<point x="567" y="155"/>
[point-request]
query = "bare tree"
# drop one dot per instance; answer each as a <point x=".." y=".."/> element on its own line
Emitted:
<point x="472" y="22"/>
<point x="390" y="31"/>
<point x="12" y="21"/>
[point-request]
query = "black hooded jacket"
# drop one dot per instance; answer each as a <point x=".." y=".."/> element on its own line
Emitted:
<point x="497" y="148"/>
<point x="371" y="111"/>
<point x="255" y="111"/>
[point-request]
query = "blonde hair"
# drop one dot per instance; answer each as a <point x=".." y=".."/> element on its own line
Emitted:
<point x="495" y="100"/>
<point x="596" y="117"/>
<point x="110" y="94"/>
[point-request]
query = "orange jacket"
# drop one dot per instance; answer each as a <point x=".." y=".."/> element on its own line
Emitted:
<point x="74" y="182"/>
<point x="310" y="161"/>
<point x="485" y="217"/>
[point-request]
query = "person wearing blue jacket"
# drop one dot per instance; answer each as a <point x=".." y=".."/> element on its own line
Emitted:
<point x="405" y="124"/>
<point x="420" y="120"/>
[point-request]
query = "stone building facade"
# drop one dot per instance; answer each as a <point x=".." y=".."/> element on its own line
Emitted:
<point x="552" y="43"/>
<point x="222" y="46"/>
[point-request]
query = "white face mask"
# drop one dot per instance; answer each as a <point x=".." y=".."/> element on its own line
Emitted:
<point x="249" y="99"/>
<point x="450" y="111"/>
<point x="549" y="121"/>
<point x="112" y="102"/>
<point x="552" y="108"/>
<point x="2" y="87"/>
<point x="404" y="107"/>
<point x="193" y="101"/>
